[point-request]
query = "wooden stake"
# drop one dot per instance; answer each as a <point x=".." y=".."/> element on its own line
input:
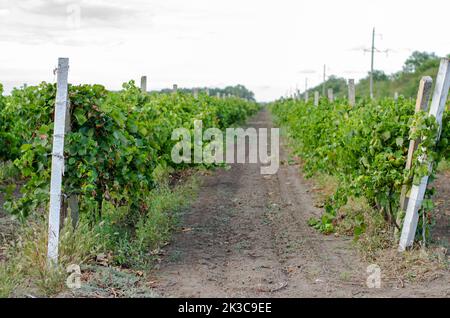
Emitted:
<point x="418" y="191"/>
<point x="57" y="160"/>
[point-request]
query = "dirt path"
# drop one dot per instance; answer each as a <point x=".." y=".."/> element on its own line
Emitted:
<point x="247" y="236"/>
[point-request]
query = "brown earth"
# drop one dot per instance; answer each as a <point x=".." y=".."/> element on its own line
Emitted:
<point x="441" y="231"/>
<point x="247" y="236"/>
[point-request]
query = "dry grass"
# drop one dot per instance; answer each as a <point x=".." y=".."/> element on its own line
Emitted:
<point x="377" y="244"/>
<point x="25" y="268"/>
<point x="23" y="257"/>
<point x="444" y="166"/>
<point x="414" y="266"/>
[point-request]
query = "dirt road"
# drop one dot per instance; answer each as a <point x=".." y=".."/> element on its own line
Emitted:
<point x="247" y="236"/>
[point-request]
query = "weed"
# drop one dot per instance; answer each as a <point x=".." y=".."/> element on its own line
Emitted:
<point x="131" y="243"/>
<point x="26" y="259"/>
<point x="444" y="166"/>
<point x="9" y="279"/>
<point x="8" y="171"/>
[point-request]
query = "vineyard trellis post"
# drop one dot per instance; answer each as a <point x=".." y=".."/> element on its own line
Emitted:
<point x="396" y="96"/>
<point x="423" y="98"/>
<point x="61" y="107"/>
<point x="175" y="88"/>
<point x="306" y="96"/>
<point x="330" y="95"/>
<point x="195" y="93"/>
<point x="316" y="98"/>
<point x="418" y="191"/>
<point x="144" y="84"/>
<point x="351" y="92"/>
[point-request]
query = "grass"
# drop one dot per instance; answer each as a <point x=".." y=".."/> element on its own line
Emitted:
<point x="9" y="279"/>
<point x="131" y="245"/>
<point x="24" y="269"/>
<point x="107" y="282"/>
<point x="444" y="166"/>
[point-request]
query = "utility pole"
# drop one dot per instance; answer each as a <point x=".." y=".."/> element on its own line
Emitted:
<point x="371" y="64"/>
<point x="372" y="51"/>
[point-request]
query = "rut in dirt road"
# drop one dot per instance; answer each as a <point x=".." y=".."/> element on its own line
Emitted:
<point x="248" y="237"/>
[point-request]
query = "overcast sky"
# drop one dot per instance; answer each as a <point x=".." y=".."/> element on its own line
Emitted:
<point x="269" y="46"/>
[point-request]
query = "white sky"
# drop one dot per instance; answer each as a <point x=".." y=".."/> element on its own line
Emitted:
<point x="270" y="46"/>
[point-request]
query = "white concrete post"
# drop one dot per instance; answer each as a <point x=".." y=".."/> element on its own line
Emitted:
<point x="418" y="191"/>
<point x="175" y="88"/>
<point x="423" y="98"/>
<point x="61" y="106"/>
<point x="351" y="92"/>
<point x="196" y="93"/>
<point x="316" y="98"/>
<point x="306" y="96"/>
<point x="330" y="95"/>
<point x="144" y="84"/>
<point x="396" y="96"/>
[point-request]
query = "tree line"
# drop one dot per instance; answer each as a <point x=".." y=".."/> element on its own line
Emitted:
<point x="404" y="81"/>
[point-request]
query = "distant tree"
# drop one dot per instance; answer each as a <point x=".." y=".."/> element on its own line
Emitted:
<point x="379" y="76"/>
<point x="337" y="84"/>
<point x="237" y="91"/>
<point x="419" y="61"/>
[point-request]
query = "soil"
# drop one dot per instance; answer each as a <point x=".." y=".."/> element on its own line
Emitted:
<point x="247" y="236"/>
<point x="441" y="230"/>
